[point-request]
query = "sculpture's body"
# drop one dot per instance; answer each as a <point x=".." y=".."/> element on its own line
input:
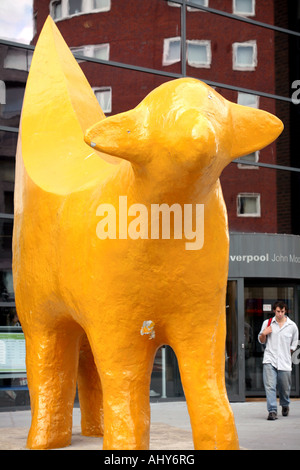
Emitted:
<point x="68" y="282"/>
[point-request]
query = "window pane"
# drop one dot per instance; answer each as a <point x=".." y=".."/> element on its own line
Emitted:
<point x="248" y="205"/>
<point x="2" y="92"/>
<point x="8" y="144"/>
<point x="100" y="4"/>
<point x="172" y="51"/>
<point x="247" y="99"/>
<point x="6" y="229"/>
<point x="6" y="286"/>
<point x="14" y="100"/>
<point x="244" y="6"/>
<point x="101" y="52"/>
<point x="203" y="3"/>
<point x="197" y="53"/>
<point x="244" y="55"/>
<point x="104" y="99"/>
<point x="75" y="6"/>
<point x="251" y="157"/>
<point x="56" y="10"/>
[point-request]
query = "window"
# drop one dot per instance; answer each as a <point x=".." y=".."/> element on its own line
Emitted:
<point x="101" y="5"/>
<point x="75" y="6"/>
<point x="244" y="55"/>
<point x="14" y="100"/>
<point x="252" y="157"/>
<point x="199" y="53"/>
<point x="18" y="59"/>
<point x="99" y="51"/>
<point x="56" y="9"/>
<point x="246" y="99"/>
<point x="103" y="96"/>
<point x="60" y="9"/>
<point x="248" y="205"/>
<point x="244" y="7"/>
<point x="203" y="3"/>
<point x="172" y="51"/>
<point x="2" y="92"/>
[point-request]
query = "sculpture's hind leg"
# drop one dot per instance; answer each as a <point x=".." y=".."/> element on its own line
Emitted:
<point x="52" y="360"/>
<point x="90" y="392"/>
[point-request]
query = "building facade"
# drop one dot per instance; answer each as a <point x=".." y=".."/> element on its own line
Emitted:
<point x="125" y="50"/>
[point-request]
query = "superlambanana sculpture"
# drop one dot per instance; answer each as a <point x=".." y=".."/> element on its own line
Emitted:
<point x="96" y="269"/>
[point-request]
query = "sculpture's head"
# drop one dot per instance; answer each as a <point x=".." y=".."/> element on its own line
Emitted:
<point x="185" y="124"/>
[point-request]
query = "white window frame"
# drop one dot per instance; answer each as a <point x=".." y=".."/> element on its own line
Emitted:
<point x="89" y="50"/>
<point x="207" y="44"/>
<point x="255" y="102"/>
<point x="247" y="166"/>
<point x="172" y="4"/>
<point x="108" y="109"/>
<point x="243" y="67"/>
<point x="196" y="9"/>
<point x="166" y="50"/>
<point x="243" y="13"/>
<point x="87" y="7"/>
<point x="105" y="8"/>
<point x="258" y="206"/>
<point x="51" y="8"/>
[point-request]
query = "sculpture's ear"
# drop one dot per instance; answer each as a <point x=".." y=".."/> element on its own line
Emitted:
<point x="123" y="135"/>
<point x="252" y="129"/>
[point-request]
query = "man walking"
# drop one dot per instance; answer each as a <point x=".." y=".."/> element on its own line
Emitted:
<point x="280" y="335"/>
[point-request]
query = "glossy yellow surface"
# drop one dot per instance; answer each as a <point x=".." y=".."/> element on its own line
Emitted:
<point x="107" y="305"/>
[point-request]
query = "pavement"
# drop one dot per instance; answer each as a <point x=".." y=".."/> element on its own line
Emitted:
<point x="171" y="430"/>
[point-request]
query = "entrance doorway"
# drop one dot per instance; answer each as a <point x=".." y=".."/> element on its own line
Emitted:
<point x="259" y="300"/>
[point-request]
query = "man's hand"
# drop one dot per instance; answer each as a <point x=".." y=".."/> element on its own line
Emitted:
<point x="265" y="333"/>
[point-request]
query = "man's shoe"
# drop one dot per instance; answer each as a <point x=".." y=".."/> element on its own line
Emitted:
<point x="285" y="410"/>
<point x="272" y="416"/>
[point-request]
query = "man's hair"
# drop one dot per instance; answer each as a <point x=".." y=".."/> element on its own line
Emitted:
<point x="280" y="304"/>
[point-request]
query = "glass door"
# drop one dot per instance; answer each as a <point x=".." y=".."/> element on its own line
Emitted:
<point x="259" y="300"/>
<point x="235" y="357"/>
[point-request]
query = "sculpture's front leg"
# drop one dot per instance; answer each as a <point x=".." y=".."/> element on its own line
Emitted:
<point x="201" y="358"/>
<point x="125" y="361"/>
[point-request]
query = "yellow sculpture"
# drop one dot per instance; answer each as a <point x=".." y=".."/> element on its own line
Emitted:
<point x="96" y="281"/>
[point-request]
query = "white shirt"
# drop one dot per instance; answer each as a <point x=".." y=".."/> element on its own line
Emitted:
<point x="280" y="343"/>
